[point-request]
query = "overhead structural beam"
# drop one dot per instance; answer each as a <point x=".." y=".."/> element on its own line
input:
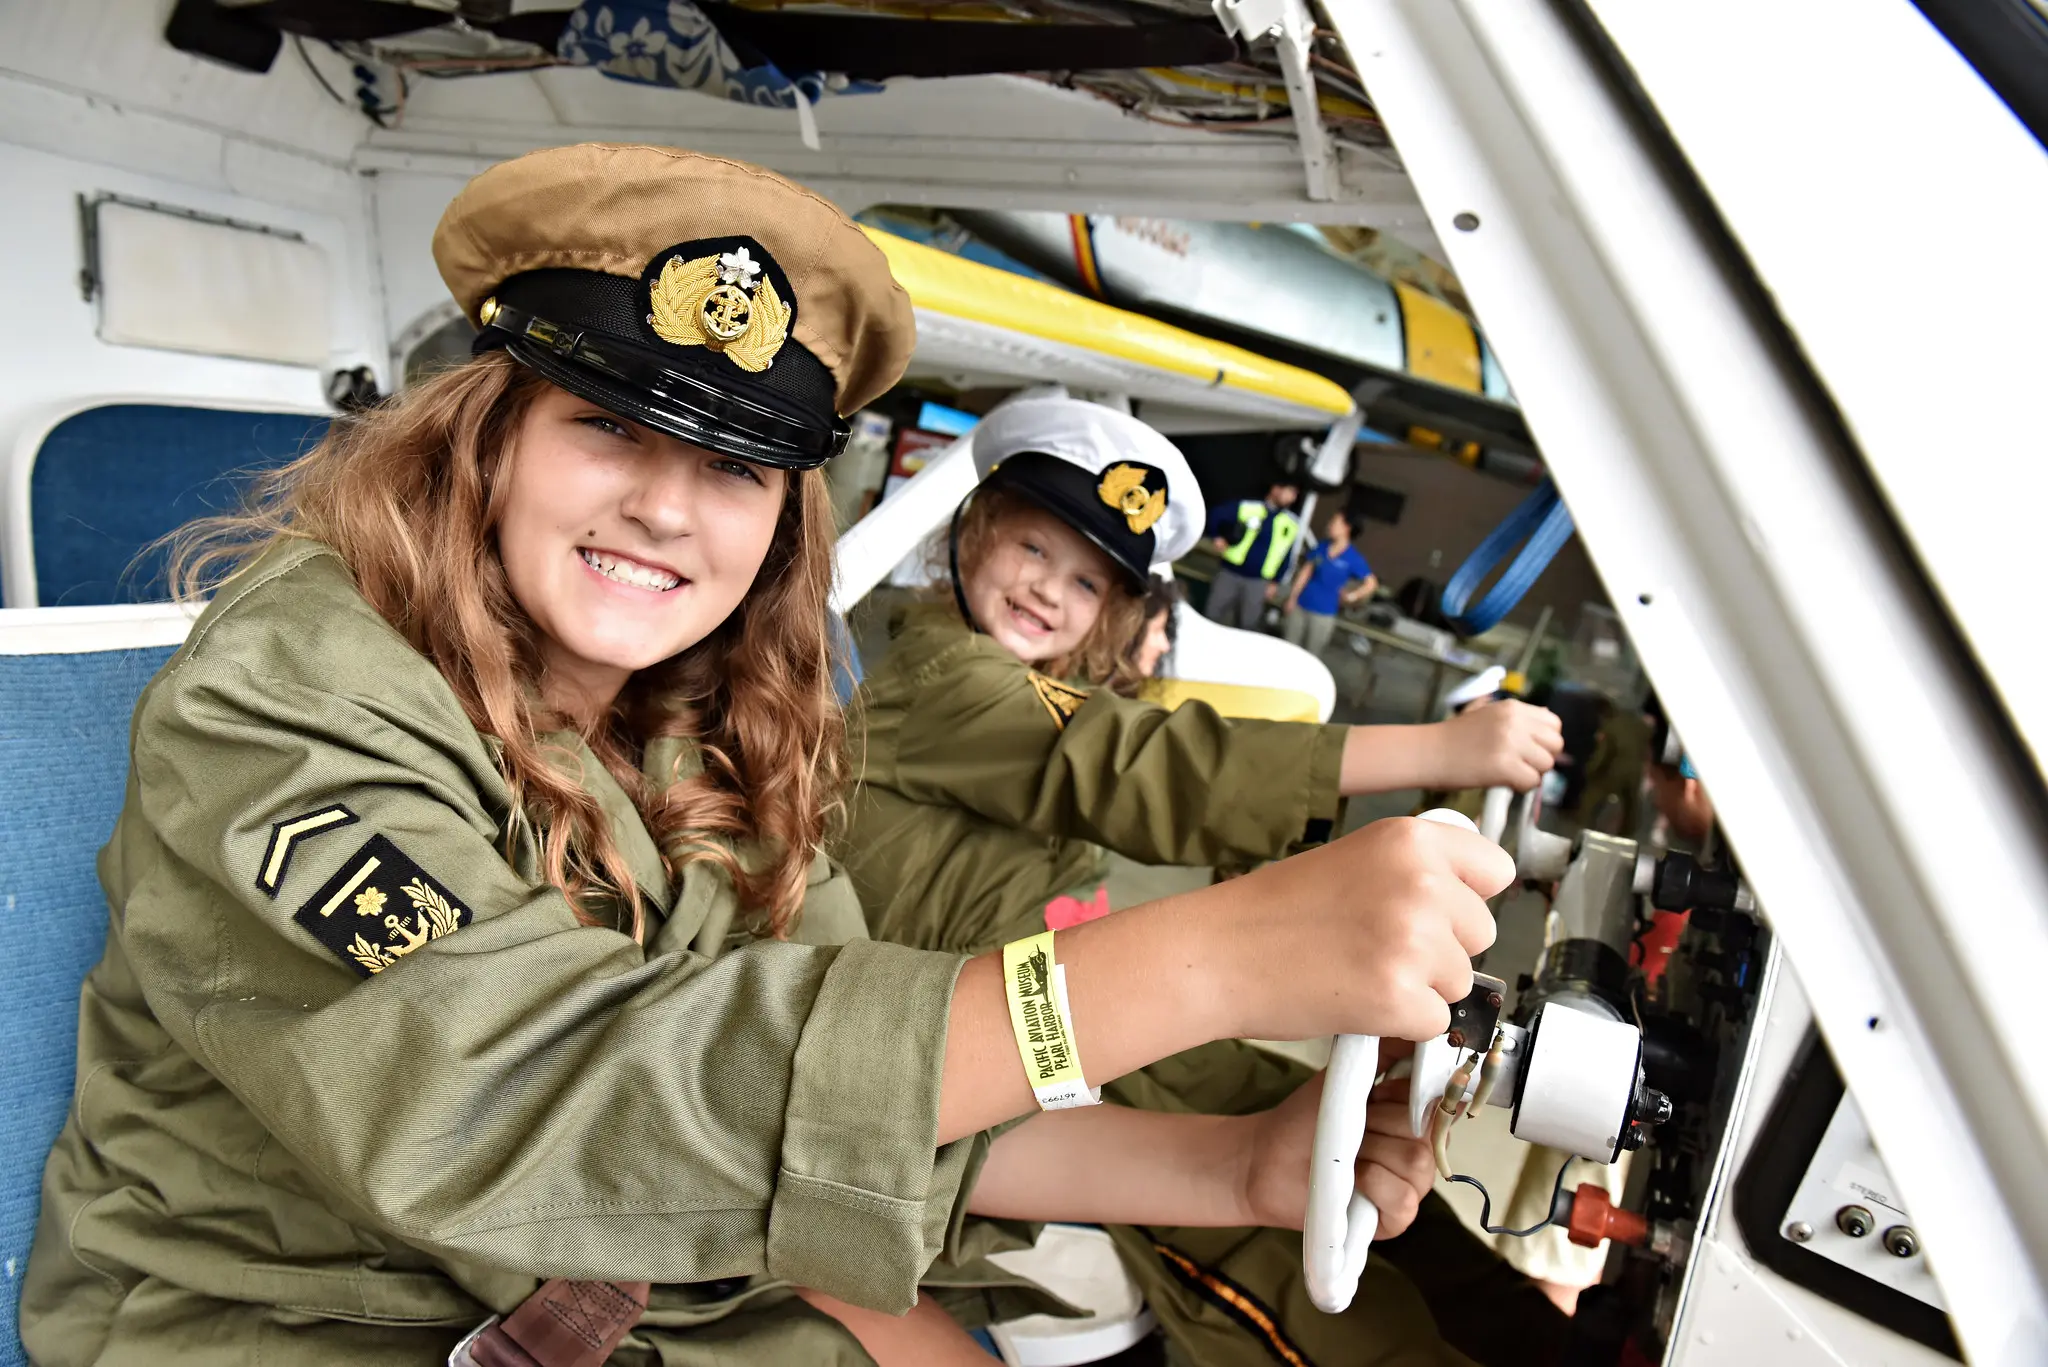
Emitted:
<point x="1241" y="179"/>
<point x="1292" y="29"/>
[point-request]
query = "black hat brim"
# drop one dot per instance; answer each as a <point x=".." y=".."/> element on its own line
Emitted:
<point x="572" y="327"/>
<point x="717" y="422"/>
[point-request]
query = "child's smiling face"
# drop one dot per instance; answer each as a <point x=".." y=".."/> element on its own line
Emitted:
<point x="1040" y="585"/>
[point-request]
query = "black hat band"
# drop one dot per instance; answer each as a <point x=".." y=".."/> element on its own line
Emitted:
<point x="1087" y="502"/>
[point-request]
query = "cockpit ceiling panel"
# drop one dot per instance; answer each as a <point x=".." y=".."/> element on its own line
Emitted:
<point x="1166" y="63"/>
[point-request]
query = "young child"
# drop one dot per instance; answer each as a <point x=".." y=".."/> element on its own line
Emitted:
<point x="471" y="950"/>
<point x="998" y="759"/>
<point x="1154" y="643"/>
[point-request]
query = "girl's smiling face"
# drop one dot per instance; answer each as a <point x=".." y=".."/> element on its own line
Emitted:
<point x="624" y="545"/>
<point x="1039" y="586"/>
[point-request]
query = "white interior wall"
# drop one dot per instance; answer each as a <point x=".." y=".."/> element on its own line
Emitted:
<point x="93" y="100"/>
<point x="92" y="87"/>
<point x="53" y="358"/>
<point x="113" y="51"/>
<point x="405" y="206"/>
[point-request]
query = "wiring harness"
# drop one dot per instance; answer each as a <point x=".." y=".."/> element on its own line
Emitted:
<point x="1453" y="1107"/>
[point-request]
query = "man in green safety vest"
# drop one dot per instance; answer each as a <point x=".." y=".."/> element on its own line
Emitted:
<point x="1255" y="540"/>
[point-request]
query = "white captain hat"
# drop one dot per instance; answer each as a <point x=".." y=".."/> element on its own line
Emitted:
<point x="1109" y="476"/>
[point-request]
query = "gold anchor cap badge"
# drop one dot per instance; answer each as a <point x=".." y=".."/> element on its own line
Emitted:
<point x="724" y="303"/>
<point x="1123" y="488"/>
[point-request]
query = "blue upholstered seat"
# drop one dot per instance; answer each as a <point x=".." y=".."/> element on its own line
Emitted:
<point x="63" y="764"/>
<point x="108" y="482"/>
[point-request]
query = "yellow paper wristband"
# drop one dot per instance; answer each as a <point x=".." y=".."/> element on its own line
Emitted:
<point x="1037" y="987"/>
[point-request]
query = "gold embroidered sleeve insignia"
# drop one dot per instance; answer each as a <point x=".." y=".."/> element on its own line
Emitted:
<point x="360" y="885"/>
<point x="1061" y="702"/>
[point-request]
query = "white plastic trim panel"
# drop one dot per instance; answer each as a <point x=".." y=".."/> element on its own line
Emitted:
<point x="1080" y="1264"/>
<point x="899" y="524"/>
<point x="1743" y="1321"/>
<point x="1213" y="653"/>
<point x="1944" y="397"/>
<point x="969" y="142"/>
<point x="1847" y="1169"/>
<point x="1891" y="833"/>
<point x="17" y="540"/>
<point x="82" y="631"/>
<point x="1717" y="1320"/>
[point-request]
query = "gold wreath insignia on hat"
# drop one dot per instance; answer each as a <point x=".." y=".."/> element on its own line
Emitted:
<point x="1123" y="488"/>
<point x="718" y="302"/>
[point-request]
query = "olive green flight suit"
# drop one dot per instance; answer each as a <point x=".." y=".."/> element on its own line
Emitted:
<point x="351" y="1076"/>
<point x="987" y="790"/>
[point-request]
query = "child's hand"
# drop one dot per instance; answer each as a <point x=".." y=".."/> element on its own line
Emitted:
<point x="1395" y="1169"/>
<point x="1505" y="744"/>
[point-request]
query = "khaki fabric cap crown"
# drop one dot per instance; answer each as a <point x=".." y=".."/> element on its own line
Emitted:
<point x="705" y="297"/>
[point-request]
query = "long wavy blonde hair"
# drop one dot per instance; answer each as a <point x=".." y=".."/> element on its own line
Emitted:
<point x="1102" y="658"/>
<point x="404" y="494"/>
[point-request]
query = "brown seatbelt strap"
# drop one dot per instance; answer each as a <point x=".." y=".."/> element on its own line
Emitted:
<point x="564" y="1324"/>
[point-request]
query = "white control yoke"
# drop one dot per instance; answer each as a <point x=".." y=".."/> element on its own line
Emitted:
<point x="1341" y="1219"/>
<point x="1572" y="1075"/>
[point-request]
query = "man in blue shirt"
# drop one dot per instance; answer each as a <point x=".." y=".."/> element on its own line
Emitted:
<point x="1254" y="539"/>
<point x="1332" y="574"/>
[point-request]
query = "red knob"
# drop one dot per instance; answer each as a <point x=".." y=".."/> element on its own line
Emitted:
<point x="1595" y="1219"/>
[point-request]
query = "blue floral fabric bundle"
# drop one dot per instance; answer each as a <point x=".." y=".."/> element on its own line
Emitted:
<point x="671" y="43"/>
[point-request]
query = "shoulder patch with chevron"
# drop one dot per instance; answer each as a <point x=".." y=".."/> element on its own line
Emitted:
<point x="287" y="835"/>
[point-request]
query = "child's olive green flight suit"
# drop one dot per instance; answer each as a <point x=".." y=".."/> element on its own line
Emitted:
<point x="987" y="789"/>
<point x="351" y="1076"/>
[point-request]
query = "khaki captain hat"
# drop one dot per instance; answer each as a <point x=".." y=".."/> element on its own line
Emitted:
<point x="706" y="298"/>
